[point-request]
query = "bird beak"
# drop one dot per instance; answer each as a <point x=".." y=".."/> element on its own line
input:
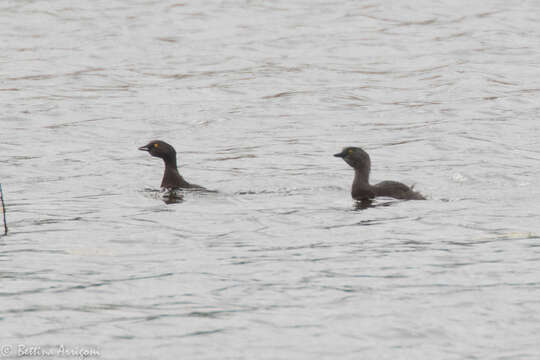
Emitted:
<point x="144" y="148"/>
<point x="341" y="154"/>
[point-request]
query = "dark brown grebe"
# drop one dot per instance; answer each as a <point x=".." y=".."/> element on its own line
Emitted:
<point x="361" y="190"/>
<point x="171" y="177"/>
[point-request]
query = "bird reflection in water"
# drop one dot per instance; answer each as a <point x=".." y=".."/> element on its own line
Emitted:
<point x="368" y="203"/>
<point x="172" y="196"/>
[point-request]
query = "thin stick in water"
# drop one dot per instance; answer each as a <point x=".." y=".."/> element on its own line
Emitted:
<point x="3" y="209"/>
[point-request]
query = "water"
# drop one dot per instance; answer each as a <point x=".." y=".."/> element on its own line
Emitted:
<point x="256" y="97"/>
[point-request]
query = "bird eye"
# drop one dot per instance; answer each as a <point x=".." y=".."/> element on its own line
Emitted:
<point x="156" y="145"/>
<point x="350" y="151"/>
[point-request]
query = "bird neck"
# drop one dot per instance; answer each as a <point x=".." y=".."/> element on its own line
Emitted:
<point x="172" y="179"/>
<point x="361" y="176"/>
<point x="361" y="189"/>
<point x="170" y="162"/>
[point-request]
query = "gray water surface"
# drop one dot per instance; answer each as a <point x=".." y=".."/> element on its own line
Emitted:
<point x="256" y="96"/>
